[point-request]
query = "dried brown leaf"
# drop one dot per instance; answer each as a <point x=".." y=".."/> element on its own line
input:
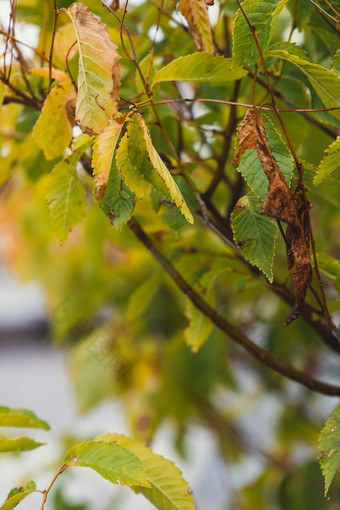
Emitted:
<point x="196" y="14"/>
<point x="282" y="204"/>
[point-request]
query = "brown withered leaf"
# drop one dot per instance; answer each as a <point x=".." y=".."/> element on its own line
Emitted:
<point x="196" y="14"/>
<point x="282" y="204"/>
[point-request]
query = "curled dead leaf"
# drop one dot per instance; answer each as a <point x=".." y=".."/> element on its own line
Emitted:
<point x="282" y="204"/>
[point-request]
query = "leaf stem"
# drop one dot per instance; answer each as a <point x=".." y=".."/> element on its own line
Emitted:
<point x="45" y="493"/>
<point x="54" y="28"/>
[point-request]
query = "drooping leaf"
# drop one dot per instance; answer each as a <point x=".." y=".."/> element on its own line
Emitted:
<point x="21" y="418"/>
<point x="263" y="16"/>
<point x="98" y="76"/>
<point x="164" y="173"/>
<point x="329" y="163"/>
<point x="18" y="494"/>
<point x="331" y="267"/>
<point x="325" y="82"/>
<point x="196" y="14"/>
<point x="251" y="168"/>
<point x="140" y="165"/>
<point x="254" y="234"/>
<point x="335" y="65"/>
<point x="103" y="153"/>
<point x="168" y="489"/>
<point x="118" y="202"/>
<point x="329" y="445"/>
<point x="282" y="204"/>
<point x="65" y="192"/>
<point x="53" y="130"/>
<point x="112" y="461"/>
<point x="141" y="297"/>
<point x="17" y="444"/>
<point x="200" y="67"/>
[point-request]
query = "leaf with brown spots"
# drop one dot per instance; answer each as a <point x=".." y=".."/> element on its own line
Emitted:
<point x="98" y="76"/>
<point x="196" y="14"/>
<point x="282" y="204"/>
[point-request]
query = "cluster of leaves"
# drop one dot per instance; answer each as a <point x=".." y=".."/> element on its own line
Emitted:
<point x="115" y="457"/>
<point x="117" y="123"/>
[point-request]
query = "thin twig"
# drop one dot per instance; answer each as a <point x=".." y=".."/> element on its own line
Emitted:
<point x="324" y="12"/>
<point x="54" y="28"/>
<point x="60" y="470"/>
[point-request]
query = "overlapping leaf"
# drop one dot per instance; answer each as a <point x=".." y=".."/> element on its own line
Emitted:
<point x="168" y="490"/>
<point x="18" y="494"/>
<point x="103" y="153"/>
<point x="65" y="192"/>
<point x="329" y="444"/>
<point x="325" y="82"/>
<point x="98" y="76"/>
<point x="329" y="163"/>
<point x="263" y="16"/>
<point x="118" y="202"/>
<point x="112" y="461"/>
<point x="251" y="168"/>
<point x="196" y="14"/>
<point x="21" y="418"/>
<point x="254" y="234"/>
<point x="200" y="67"/>
<point x="53" y="130"/>
<point x="140" y="166"/>
<point x="331" y="267"/>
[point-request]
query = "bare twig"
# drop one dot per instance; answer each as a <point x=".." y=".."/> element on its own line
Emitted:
<point x="60" y="470"/>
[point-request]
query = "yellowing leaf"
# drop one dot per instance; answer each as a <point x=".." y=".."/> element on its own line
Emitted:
<point x="200" y="67"/>
<point x="164" y="173"/>
<point x="168" y="491"/>
<point x="196" y="14"/>
<point x="111" y="461"/>
<point x="18" y="494"/>
<point x="17" y="444"/>
<point x="53" y="130"/>
<point x="98" y="76"/>
<point x="103" y="153"/>
<point x="57" y="74"/>
<point x="64" y="42"/>
<point x="21" y="418"/>
<point x="329" y="444"/>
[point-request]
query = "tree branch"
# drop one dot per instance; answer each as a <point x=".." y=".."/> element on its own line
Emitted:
<point x="276" y="363"/>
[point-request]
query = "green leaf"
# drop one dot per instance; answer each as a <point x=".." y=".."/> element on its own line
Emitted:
<point x="103" y="153"/>
<point x="21" y="418"/>
<point x="98" y="76"/>
<point x="329" y="163"/>
<point x="254" y="234"/>
<point x="53" y="130"/>
<point x="196" y="14"/>
<point x="263" y="16"/>
<point x="140" y="165"/>
<point x="325" y="83"/>
<point x="140" y="299"/>
<point x="65" y="192"/>
<point x="111" y="461"/>
<point x="200" y="67"/>
<point x="118" y="202"/>
<point x="335" y="65"/>
<point x="168" y="491"/>
<point x="331" y="267"/>
<point x="250" y="166"/>
<point x="21" y="443"/>
<point x="329" y="444"/>
<point x="18" y="494"/>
